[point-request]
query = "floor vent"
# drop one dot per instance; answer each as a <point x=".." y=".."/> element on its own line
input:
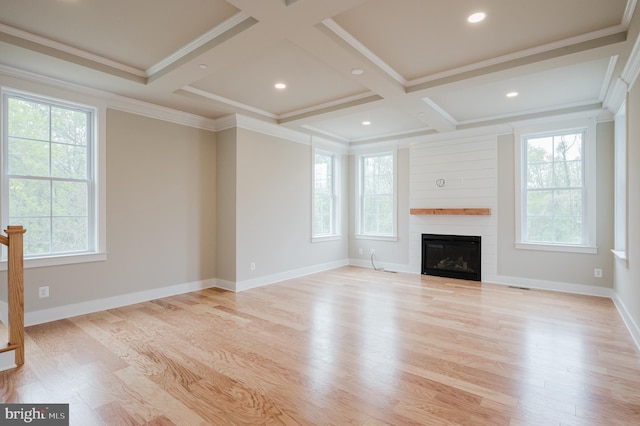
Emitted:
<point x="519" y="288"/>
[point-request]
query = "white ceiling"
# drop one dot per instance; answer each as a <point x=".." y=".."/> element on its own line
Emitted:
<point x="426" y="69"/>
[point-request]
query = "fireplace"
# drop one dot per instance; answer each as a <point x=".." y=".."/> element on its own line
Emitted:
<point x="452" y="256"/>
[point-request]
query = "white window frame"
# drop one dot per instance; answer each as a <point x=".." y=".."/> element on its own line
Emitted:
<point x="588" y="125"/>
<point x="359" y="219"/>
<point x="620" y="184"/>
<point x="335" y="232"/>
<point x="97" y="193"/>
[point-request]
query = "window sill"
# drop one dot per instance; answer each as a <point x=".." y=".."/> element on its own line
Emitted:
<point x="620" y="254"/>
<point x="376" y="237"/>
<point x="320" y="238"/>
<point x="40" y="262"/>
<point x="558" y="247"/>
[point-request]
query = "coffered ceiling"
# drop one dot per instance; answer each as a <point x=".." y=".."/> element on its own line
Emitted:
<point x="405" y="66"/>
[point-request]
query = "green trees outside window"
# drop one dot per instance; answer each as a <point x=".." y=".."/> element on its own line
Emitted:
<point x="47" y="174"/>
<point x="554" y="188"/>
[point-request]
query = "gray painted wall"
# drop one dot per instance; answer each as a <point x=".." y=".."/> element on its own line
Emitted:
<point x="160" y="216"/>
<point x="225" y="193"/>
<point x="273" y="228"/>
<point x="561" y="267"/>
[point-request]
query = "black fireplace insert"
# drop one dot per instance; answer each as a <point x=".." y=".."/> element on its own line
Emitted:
<point x="452" y="256"/>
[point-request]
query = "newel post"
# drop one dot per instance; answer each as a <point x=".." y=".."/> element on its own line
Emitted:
<point x="15" y="282"/>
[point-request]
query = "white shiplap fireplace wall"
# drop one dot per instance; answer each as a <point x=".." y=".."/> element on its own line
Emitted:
<point x="459" y="173"/>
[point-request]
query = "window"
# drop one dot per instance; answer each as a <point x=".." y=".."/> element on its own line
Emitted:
<point x="325" y="199"/>
<point x="49" y="175"/>
<point x="557" y="191"/>
<point x="377" y="195"/>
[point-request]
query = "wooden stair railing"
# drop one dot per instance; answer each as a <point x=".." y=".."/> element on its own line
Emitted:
<point x="15" y="283"/>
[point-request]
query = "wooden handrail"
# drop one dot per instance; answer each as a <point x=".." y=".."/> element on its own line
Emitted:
<point x="15" y="283"/>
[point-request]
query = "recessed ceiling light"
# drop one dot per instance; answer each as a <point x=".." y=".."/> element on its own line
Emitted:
<point x="280" y="86"/>
<point x="476" y="17"/>
<point x="512" y="94"/>
<point x="203" y="66"/>
<point x="357" y="71"/>
<point x="366" y="123"/>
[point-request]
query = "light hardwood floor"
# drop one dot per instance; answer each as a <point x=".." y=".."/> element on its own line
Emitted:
<point x="350" y="346"/>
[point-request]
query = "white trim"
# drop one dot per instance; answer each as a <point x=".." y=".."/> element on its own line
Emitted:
<point x="353" y="42"/>
<point x="158" y="112"/>
<point x="272" y="129"/>
<point x="557" y="247"/>
<point x="26" y="80"/>
<point x="371" y="148"/>
<point x="559" y="44"/>
<point x="4" y="312"/>
<point x="97" y="157"/>
<point x="323" y="238"/>
<point x="628" y="13"/>
<point x="225" y="285"/>
<point x="616" y="96"/>
<point x="621" y="255"/>
<point x="322" y="106"/>
<point x="393" y="237"/>
<point x="343" y="141"/>
<point x="7" y="360"/>
<point x="551" y="127"/>
<point x="42" y="41"/>
<point x="591" y="108"/>
<point x="587" y="290"/>
<point x="606" y="81"/>
<point x="628" y="320"/>
<point x="205" y="38"/>
<point x="632" y="67"/>
<point x="359" y="196"/>
<point x="227" y="101"/>
<point x="336" y="199"/>
<point x="283" y="276"/>
<point x="40" y="262"/>
<point x="82" y="308"/>
<point x="387" y="266"/>
<point x="263" y="127"/>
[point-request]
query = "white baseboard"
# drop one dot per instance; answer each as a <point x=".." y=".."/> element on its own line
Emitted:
<point x="389" y="267"/>
<point x="226" y="285"/>
<point x="7" y="360"/>
<point x="4" y="312"/>
<point x="587" y="290"/>
<point x="632" y="326"/>
<point x="68" y="311"/>
<point x="282" y="276"/>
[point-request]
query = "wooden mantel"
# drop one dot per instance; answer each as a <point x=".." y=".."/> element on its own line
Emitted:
<point x="460" y="211"/>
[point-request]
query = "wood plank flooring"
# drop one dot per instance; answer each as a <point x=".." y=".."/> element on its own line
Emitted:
<point x="350" y="346"/>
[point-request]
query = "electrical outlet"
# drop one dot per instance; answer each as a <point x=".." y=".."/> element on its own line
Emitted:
<point x="43" y="292"/>
<point x="360" y="250"/>
<point x="597" y="273"/>
<point x="373" y="251"/>
<point x="253" y="266"/>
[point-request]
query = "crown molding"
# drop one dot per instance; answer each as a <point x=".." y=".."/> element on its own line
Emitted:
<point x="628" y="13"/>
<point x="51" y="44"/>
<point x="631" y="70"/>
<point x="110" y="100"/>
<point x="158" y="112"/>
<point x="263" y="127"/>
